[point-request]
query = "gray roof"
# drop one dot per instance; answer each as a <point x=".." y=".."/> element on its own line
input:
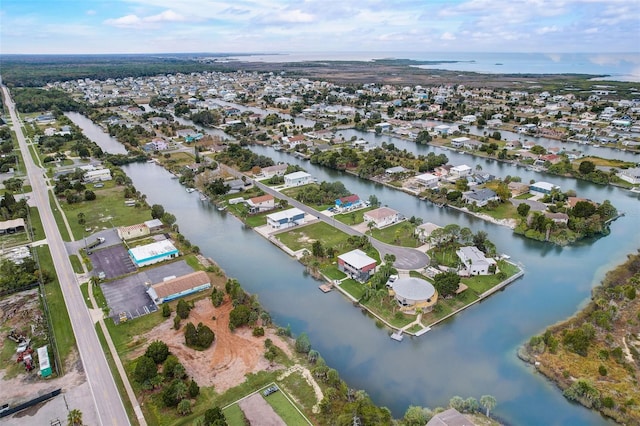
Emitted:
<point x="450" y="417"/>
<point x="480" y="194"/>
<point x="413" y="288"/>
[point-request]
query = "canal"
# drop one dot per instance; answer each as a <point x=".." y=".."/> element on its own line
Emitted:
<point x="470" y="355"/>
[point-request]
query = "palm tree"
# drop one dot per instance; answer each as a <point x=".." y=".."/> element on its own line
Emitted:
<point x="488" y="402"/>
<point x="370" y="226"/>
<point x="74" y="418"/>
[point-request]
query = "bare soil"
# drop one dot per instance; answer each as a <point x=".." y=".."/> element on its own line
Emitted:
<point x="21" y="312"/>
<point x="259" y="412"/>
<point x="232" y="355"/>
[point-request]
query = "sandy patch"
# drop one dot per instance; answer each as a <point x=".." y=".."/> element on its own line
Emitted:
<point x="232" y="355"/>
<point x="259" y="412"/>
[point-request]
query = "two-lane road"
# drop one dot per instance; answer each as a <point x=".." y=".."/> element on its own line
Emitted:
<point x="109" y="406"/>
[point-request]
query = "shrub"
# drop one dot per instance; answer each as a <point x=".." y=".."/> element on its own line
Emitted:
<point x="217" y="297"/>
<point x="184" y="407"/>
<point x="239" y="316"/>
<point x="214" y="417"/>
<point x="608" y="402"/>
<point x="183" y="309"/>
<point x="176" y="322"/>
<point x="166" y="310"/>
<point x="169" y="366"/>
<point x="602" y="370"/>
<point x="145" y="370"/>
<point x="258" y="332"/>
<point x="199" y="338"/>
<point x="158" y="351"/>
<point x="174" y="393"/>
<point x="303" y="345"/>
<point x="194" y="389"/>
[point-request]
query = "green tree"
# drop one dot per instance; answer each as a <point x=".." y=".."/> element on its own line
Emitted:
<point x="586" y="167"/>
<point x="89" y="195"/>
<point x="166" y="310"/>
<point x="471" y="405"/>
<point x="169" y="365"/>
<point x="523" y="209"/>
<point x="194" y="389"/>
<point x="183" y="309"/>
<point x="74" y="418"/>
<point x="157" y="211"/>
<point x="190" y="334"/>
<point x="184" y="407"/>
<point x="214" y="417"/>
<point x="416" y="416"/>
<point x="239" y="316"/>
<point x="146" y="369"/>
<point x="446" y="283"/>
<point x="488" y="402"/>
<point x="158" y="351"/>
<point x="458" y="403"/>
<point x="303" y="344"/>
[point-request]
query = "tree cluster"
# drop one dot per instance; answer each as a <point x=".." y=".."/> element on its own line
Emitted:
<point x="243" y="158"/>
<point x="200" y="337"/>
<point x="324" y="193"/>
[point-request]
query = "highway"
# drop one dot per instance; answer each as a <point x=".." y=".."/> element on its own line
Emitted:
<point x="105" y="394"/>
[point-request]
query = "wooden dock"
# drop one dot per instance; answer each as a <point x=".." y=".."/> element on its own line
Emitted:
<point x="325" y="288"/>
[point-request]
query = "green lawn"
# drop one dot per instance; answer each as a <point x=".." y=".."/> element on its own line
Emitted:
<point x="11" y="240"/>
<point x="332" y="272"/>
<point x="76" y="264"/>
<point x="524" y="196"/>
<point x="59" y="220"/>
<point x="503" y="211"/>
<point x="444" y="256"/>
<point x="285" y="409"/>
<point x="387" y="308"/>
<point x="36" y="224"/>
<point x="353" y="287"/>
<point x="125" y="335"/>
<point x="482" y="283"/>
<point x="305" y="394"/>
<point x="400" y="234"/>
<point x="106" y="211"/>
<point x="234" y="415"/>
<point x="62" y="331"/>
<point x="303" y="237"/>
<point x="353" y="218"/>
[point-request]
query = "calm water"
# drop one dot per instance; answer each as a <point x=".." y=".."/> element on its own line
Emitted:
<point x="471" y="355"/>
<point x="619" y="66"/>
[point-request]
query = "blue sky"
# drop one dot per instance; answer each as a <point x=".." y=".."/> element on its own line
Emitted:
<point x="157" y="26"/>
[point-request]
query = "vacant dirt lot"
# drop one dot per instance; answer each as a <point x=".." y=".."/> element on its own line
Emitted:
<point x="258" y="412"/>
<point x="229" y="359"/>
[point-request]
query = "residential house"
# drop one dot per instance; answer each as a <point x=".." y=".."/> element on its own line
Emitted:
<point x="382" y="216"/>
<point x="297" y="179"/>
<point x="348" y="203"/>
<point x="286" y="218"/>
<point x="475" y="261"/>
<point x="630" y="175"/>
<point x="99" y="175"/>
<point x="424" y="230"/>
<point x="459" y="142"/>
<point x="517" y="188"/>
<point x="542" y="188"/>
<point x="394" y="171"/>
<point x="277" y="170"/>
<point x="384" y="127"/>
<point x="357" y="265"/>
<point x="450" y="417"/>
<point x="260" y="204"/>
<point x="560" y="218"/>
<point x="481" y="197"/>
<point x="460" y="171"/>
<point x="428" y="180"/>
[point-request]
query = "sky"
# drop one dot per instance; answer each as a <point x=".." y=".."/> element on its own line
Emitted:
<point x="169" y="26"/>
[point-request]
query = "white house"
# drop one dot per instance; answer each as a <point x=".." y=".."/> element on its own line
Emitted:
<point x="99" y="175"/>
<point x="630" y="175"/>
<point x="286" y="218"/>
<point x="459" y="142"/>
<point x="468" y="119"/>
<point x="297" y="179"/>
<point x="475" y="261"/>
<point x="460" y="171"/>
<point x="542" y="188"/>
<point x="277" y="170"/>
<point x="428" y="180"/>
<point x="261" y="204"/>
<point x="382" y="216"/>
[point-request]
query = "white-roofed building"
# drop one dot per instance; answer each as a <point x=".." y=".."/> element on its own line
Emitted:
<point x="286" y="218"/>
<point x="630" y="175"/>
<point x="297" y="179"/>
<point x="412" y="293"/>
<point x="153" y="253"/>
<point x="176" y="287"/>
<point x="475" y="261"/>
<point x="542" y="188"/>
<point x="357" y="265"/>
<point x="460" y="171"/>
<point x="99" y="175"/>
<point x="428" y="180"/>
<point x="382" y="216"/>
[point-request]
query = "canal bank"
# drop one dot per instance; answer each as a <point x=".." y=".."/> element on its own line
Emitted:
<point x="470" y="355"/>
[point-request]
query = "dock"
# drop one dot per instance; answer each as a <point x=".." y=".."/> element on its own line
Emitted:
<point x="325" y="288"/>
<point x="397" y="336"/>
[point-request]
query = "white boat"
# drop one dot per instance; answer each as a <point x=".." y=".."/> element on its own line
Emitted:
<point x="635" y="190"/>
<point x="190" y="190"/>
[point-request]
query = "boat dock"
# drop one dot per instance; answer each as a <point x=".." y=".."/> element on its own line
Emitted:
<point x="325" y="288"/>
<point x="397" y="336"/>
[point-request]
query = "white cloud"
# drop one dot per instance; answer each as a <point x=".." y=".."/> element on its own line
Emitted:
<point x="547" y="30"/>
<point x="90" y="12"/>
<point x="166" y="16"/>
<point x="124" y="21"/>
<point x="131" y="21"/>
<point x="448" y="36"/>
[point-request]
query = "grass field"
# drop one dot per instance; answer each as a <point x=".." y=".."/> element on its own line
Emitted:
<point x="234" y="415"/>
<point x="303" y="237"/>
<point x="36" y="224"/>
<point x="400" y="234"/>
<point x="353" y="287"/>
<point x="106" y="211"/>
<point x="62" y="331"/>
<point x="58" y="217"/>
<point x="285" y="409"/>
<point x="353" y="218"/>
<point x="76" y="264"/>
<point x="332" y="272"/>
<point x="11" y="240"/>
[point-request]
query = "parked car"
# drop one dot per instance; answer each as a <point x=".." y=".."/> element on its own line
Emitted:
<point x="271" y="389"/>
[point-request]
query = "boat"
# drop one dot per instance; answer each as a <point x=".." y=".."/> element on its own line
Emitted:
<point x="635" y="190"/>
<point x="222" y="208"/>
<point x="190" y="190"/>
<point x="203" y="197"/>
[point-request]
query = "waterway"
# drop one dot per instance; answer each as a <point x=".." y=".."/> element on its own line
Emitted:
<point x="470" y="355"/>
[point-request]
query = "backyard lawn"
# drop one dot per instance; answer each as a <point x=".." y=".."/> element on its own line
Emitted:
<point x="285" y="409"/>
<point x="353" y="287"/>
<point x="332" y="272"/>
<point x="354" y="217"/>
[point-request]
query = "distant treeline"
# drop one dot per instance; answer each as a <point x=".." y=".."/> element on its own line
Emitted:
<point x="38" y="70"/>
<point x="38" y="100"/>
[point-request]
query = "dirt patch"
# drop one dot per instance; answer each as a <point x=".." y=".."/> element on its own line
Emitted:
<point x="232" y="356"/>
<point x="258" y="412"/>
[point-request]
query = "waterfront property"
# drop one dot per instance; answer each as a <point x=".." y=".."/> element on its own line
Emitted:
<point x="427" y="180"/>
<point x="132" y="231"/>
<point x="542" y="188"/>
<point x="286" y="218"/>
<point x="630" y="175"/>
<point x="277" y="170"/>
<point x="348" y="203"/>
<point x="475" y="261"/>
<point x="176" y="287"/>
<point x="261" y="204"/>
<point x="153" y="253"/>
<point x="480" y="197"/>
<point x="99" y="175"/>
<point x="382" y="216"/>
<point x="297" y="179"/>
<point x="412" y="293"/>
<point x="357" y="265"/>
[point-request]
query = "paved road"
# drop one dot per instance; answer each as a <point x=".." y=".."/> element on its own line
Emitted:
<point x="406" y="258"/>
<point x="105" y="394"/>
